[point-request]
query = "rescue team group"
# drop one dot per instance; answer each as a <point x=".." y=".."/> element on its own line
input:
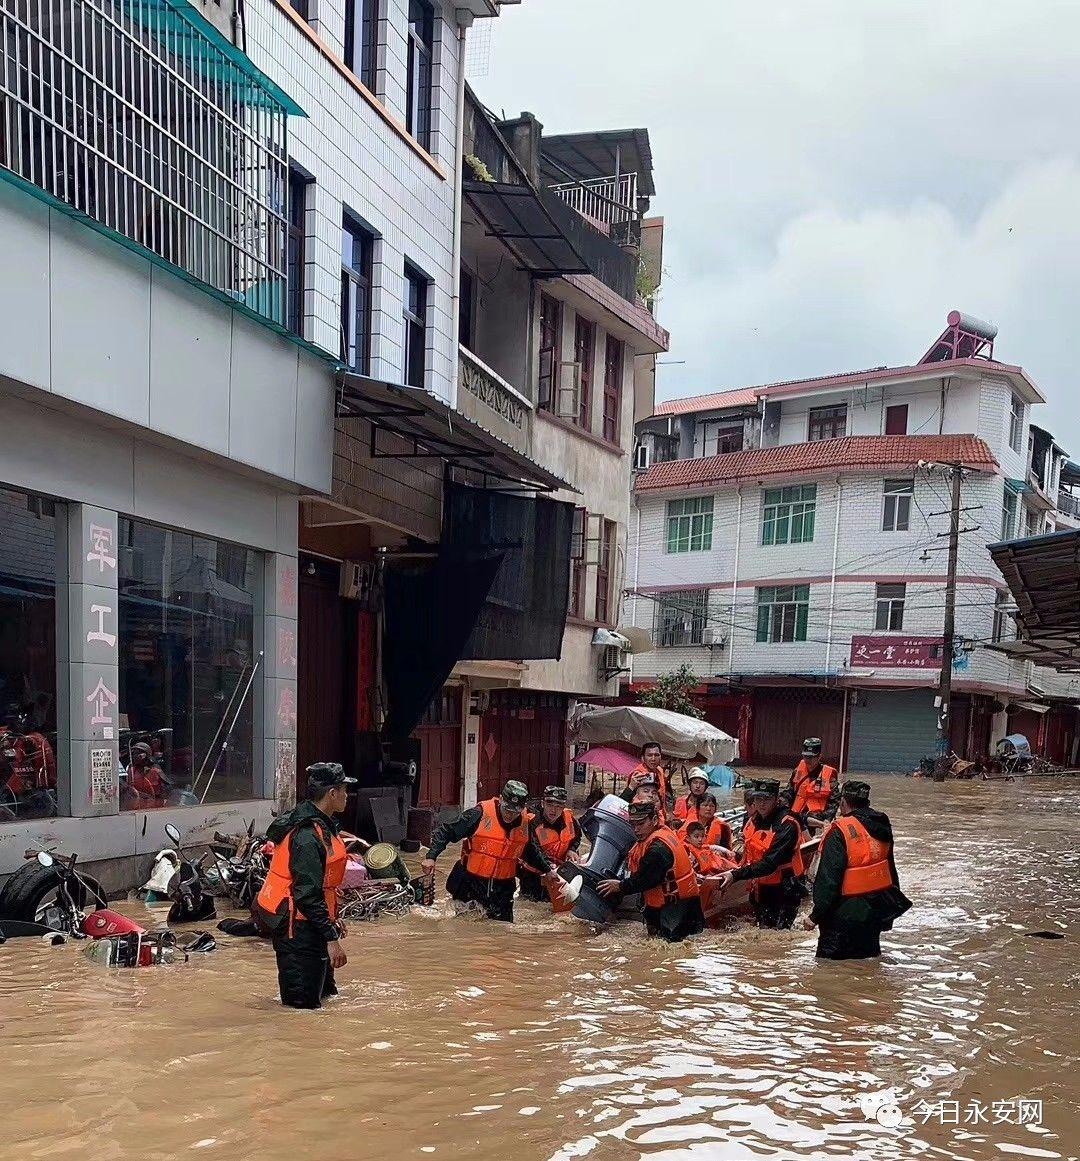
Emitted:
<point x="856" y="890"/>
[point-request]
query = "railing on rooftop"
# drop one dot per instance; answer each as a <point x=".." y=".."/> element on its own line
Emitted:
<point x="610" y="202"/>
<point x="128" y="113"/>
<point x="1068" y="504"/>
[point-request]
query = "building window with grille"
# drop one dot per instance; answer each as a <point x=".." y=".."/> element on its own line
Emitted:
<point x="578" y="538"/>
<point x="547" y="384"/>
<point x="418" y="77"/>
<point x="362" y="39"/>
<point x="415" y="314"/>
<point x="896" y="511"/>
<point x="827" y="423"/>
<point x="584" y="344"/>
<point x="605" y="570"/>
<point x="788" y="514"/>
<point x="1008" y="514"/>
<point x="720" y="436"/>
<point x="297" y="215"/>
<point x="889" y="611"/>
<point x="357" y="247"/>
<point x="782" y="612"/>
<point x="680" y="618"/>
<point x="1016" y="424"/>
<point x="690" y="524"/>
<point x="613" y="371"/>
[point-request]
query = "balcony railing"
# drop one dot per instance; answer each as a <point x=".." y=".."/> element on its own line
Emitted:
<point x="1068" y="504"/>
<point x="129" y="113"/>
<point x="610" y="202"/>
<point x="480" y="380"/>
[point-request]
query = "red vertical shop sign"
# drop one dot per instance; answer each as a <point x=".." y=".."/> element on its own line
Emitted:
<point x="365" y="670"/>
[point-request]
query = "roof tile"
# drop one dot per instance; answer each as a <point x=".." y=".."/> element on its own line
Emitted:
<point x="851" y="451"/>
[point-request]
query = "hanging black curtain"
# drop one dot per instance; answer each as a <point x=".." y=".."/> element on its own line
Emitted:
<point x="430" y="611"/>
<point x="525" y="612"/>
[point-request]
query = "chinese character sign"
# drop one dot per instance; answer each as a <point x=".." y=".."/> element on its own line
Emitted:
<point x="896" y="652"/>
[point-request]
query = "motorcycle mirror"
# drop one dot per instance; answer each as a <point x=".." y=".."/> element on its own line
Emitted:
<point x="172" y="834"/>
<point x="45" y="859"/>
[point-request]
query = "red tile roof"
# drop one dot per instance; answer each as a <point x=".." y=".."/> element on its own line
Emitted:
<point x="741" y="397"/>
<point x="850" y="451"/>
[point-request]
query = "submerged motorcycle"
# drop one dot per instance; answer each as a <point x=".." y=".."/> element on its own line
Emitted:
<point x="47" y="895"/>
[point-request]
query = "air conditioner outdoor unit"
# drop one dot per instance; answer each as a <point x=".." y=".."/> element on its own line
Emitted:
<point x="356" y="578"/>
<point x="713" y="637"/>
<point x="641" y="457"/>
<point x="613" y="661"/>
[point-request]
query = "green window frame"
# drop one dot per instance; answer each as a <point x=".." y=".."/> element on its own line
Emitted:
<point x="782" y="613"/>
<point x="787" y="514"/>
<point x="690" y="524"/>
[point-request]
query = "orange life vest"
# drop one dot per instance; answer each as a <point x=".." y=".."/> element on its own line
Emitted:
<point x="277" y="892"/>
<point x="492" y="851"/>
<point x="706" y="861"/>
<point x="555" y="843"/>
<point x="686" y="810"/>
<point x="660" y="774"/>
<point x="868" y="867"/>
<point x="813" y="791"/>
<point x="679" y="883"/>
<point x="757" y="840"/>
<point x="718" y="834"/>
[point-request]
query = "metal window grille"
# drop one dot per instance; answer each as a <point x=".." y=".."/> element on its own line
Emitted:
<point x="896" y="505"/>
<point x="130" y="114"/>
<point x="788" y="515"/>
<point x="681" y="617"/>
<point x="889" y="612"/>
<point x="782" y="613"/>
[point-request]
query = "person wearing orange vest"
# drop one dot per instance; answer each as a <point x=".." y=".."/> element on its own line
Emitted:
<point x="717" y="830"/>
<point x="813" y="791"/>
<point x="298" y="903"/>
<point x="662" y="872"/>
<point x="650" y="771"/>
<point x="557" y="833"/>
<point x="857" y="892"/>
<point x="686" y="807"/>
<point x="772" y="860"/>
<point x="494" y="835"/>
<point x="706" y="861"/>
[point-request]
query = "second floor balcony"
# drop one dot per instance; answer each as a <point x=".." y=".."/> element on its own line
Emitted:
<point x="139" y="118"/>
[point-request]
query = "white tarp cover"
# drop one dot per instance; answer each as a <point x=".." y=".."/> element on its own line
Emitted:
<point x="679" y="736"/>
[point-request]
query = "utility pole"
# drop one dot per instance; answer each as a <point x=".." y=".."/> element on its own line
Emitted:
<point x="945" y="680"/>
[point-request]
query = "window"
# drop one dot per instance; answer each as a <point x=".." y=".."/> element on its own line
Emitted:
<point x="689" y="524"/>
<point x="889" y="614"/>
<point x="418" y="80"/>
<point x="466" y="309"/>
<point x="896" y="511"/>
<point x="302" y="8"/>
<point x="719" y="436"/>
<point x="1008" y="514"/>
<point x="788" y="515"/>
<point x="1035" y="523"/>
<point x="1000" y="630"/>
<point x="782" y="612"/>
<point x="28" y="563"/>
<point x="613" y="370"/>
<point x="896" y="419"/>
<point x="187" y="657"/>
<point x="578" y="538"/>
<point x="1016" y="424"/>
<point x="362" y="39"/>
<point x="584" y="344"/>
<point x="680" y="618"/>
<point x="827" y="422"/>
<point x="357" y="247"/>
<point x="415" y="313"/>
<point x="298" y="187"/>
<point x="550" y="346"/>
<point x="605" y="570"/>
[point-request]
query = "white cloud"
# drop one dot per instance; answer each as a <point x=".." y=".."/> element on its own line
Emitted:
<point x="835" y="177"/>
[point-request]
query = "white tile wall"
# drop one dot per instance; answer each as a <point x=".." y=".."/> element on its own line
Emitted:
<point x="360" y="162"/>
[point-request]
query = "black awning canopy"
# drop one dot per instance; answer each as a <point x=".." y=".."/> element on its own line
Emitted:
<point x="431" y="429"/>
<point x="516" y="215"/>
<point x="581" y="156"/>
<point x="1043" y="575"/>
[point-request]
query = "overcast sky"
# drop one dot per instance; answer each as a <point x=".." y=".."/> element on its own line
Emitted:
<point x="835" y="177"/>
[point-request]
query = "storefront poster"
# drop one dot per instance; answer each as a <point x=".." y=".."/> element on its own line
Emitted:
<point x="102" y="776"/>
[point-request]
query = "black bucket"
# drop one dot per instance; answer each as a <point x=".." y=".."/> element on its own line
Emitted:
<point x="609" y="831"/>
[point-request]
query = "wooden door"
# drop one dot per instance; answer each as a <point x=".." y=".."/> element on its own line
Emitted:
<point x="439" y="734"/>
<point x="523" y="736"/>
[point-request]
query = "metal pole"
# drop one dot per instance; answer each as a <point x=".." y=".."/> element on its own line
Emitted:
<point x="232" y="726"/>
<point x="945" y="684"/>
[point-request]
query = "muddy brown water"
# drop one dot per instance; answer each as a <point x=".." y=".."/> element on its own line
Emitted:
<point x="454" y="1037"/>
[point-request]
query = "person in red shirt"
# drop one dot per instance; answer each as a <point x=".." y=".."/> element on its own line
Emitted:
<point x="686" y="808"/>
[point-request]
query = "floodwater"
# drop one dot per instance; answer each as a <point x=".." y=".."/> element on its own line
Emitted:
<point x="459" y="1038"/>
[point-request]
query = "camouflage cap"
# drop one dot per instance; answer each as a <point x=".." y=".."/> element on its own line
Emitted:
<point x="639" y="811"/>
<point x="515" y="793"/>
<point x="766" y="788"/>
<point x="856" y="791"/>
<point x="554" y="793"/>
<point x="811" y="748"/>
